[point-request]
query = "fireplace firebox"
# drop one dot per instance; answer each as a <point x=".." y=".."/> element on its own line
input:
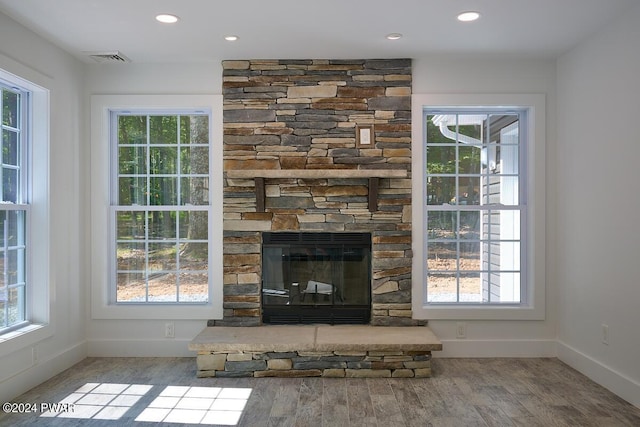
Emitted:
<point x="316" y="278"/>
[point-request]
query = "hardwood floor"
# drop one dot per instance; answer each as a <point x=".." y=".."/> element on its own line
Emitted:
<point x="462" y="392"/>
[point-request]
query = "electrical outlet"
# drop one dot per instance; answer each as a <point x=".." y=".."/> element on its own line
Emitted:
<point x="461" y="330"/>
<point x="169" y="330"/>
<point x="605" y="334"/>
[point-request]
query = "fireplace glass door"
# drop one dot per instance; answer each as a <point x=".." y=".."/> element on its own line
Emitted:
<point x="316" y="277"/>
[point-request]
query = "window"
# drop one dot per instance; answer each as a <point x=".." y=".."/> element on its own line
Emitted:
<point x="474" y="206"/>
<point x="479" y="225"/>
<point x="14" y="208"/>
<point x="149" y="191"/>
<point x="25" y="305"/>
<point x="160" y="206"/>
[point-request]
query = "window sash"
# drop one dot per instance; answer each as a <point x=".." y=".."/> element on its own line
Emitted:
<point x="14" y="250"/>
<point x="487" y="246"/>
<point x="145" y="268"/>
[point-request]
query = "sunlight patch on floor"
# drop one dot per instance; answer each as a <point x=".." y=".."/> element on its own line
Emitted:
<point x="174" y="404"/>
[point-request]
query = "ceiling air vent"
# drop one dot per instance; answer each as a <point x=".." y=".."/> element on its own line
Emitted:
<point x="110" y="56"/>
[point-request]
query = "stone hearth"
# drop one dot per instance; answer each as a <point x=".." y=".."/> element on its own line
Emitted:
<point x="292" y="163"/>
<point x="314" y="351"/>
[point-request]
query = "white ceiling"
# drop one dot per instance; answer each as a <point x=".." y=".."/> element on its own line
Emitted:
<point x="295" y="29"/>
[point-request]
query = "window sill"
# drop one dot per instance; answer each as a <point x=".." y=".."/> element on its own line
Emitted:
<point x="24" y="337"/>
<point x="154" y="312"/>
<point x="466" y="312"/>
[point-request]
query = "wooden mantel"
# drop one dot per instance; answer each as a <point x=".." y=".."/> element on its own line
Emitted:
<point x="259" y="175"/>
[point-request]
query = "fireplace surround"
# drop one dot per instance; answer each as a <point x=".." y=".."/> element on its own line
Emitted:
<point x="292" y="164"/>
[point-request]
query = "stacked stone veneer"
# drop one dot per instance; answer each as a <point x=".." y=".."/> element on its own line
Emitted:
<point x="396" y="364"/>
<point x="302" y="114"/>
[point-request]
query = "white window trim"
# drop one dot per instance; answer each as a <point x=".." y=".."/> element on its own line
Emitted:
<point x="533" y="307"/>
<point x="39" y="302"/>
<point x="101" y="106"/>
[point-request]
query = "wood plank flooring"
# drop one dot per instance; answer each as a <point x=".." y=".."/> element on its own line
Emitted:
<point x="462" y="392"/>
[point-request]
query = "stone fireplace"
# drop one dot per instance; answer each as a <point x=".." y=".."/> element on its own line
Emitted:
<point x="296" y="162"/>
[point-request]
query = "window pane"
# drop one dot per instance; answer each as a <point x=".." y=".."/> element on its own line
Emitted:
<point x="441" y="159"/>
<point x="470" y="159"/>
<point x="501" y="288"/>
<point x="14" y="260"/>
<point x="434" y="124"/>
<point x="504" y="128"/>
<point x="163" y="160"/>
<point x="131" y="256"/>
<point x="194" y="225"/>
<point x="470" y="286"/>
<point x="163" y="129"/>
<point x="163" y="288"/>
<point x="132" y="191"/>
<point x="162" y="257"/>
<point x="442" y="224"/>
<point x="471" y="128"/>
<point x="130" y="225"/>
<point x="162" y="224"/>
<point x="194" y="129"/>
<point x="469" y="225"/>
<point x="132" y="129"/>
<point x="131" y="287"/>
<point x="132" y="160"/>
<point x="468" y="191"/>
<point x="9" y="185"/>
<point x="12" y="225"/>
<point x="16" y="304"/>
<point x="442" y="256"/>
<point x="163" y="191"/>
<point x="503" y="159"/>
<point x="194" y="287"/>
<point x="470" y="256"/>
<point x="441" y="190"/>
<point x="442" y="287"/>
<point x="194" y="191"/>
<point x="501" y="190"/>
<point x="10" y="148"/>
<point x="501" y="225"/>
<point x="10" y="108"/>
<point x="194" y="160"/>
<point x="194" y="256"/>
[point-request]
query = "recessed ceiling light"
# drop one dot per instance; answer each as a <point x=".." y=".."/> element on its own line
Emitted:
<point x="166" y="18"/>
<point x="468" y="16"/>
<point x="394" y="36"/>
<point x="231" y="38"/>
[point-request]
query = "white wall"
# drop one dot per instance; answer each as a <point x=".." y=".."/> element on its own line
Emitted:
<point x="145" y="337"/>
<point x="598" y="206"/>
<point x="25" y="54"/>
<point x="468" y="75"/>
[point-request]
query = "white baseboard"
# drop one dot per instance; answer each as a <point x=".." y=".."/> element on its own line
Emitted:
<point x="618" y="383"/>
<point x="140" y="348"/>
<point x="43" y="370"/>
<point x="497" y="348"/>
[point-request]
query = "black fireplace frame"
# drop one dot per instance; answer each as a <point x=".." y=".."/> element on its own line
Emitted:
<point x="317" y="313"/>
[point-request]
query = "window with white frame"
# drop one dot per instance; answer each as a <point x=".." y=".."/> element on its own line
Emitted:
<point x="160" y="206"/>
<point x="475" y="206"/>
<point x="479" y="226"/>
<point x="14" y="208"/>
